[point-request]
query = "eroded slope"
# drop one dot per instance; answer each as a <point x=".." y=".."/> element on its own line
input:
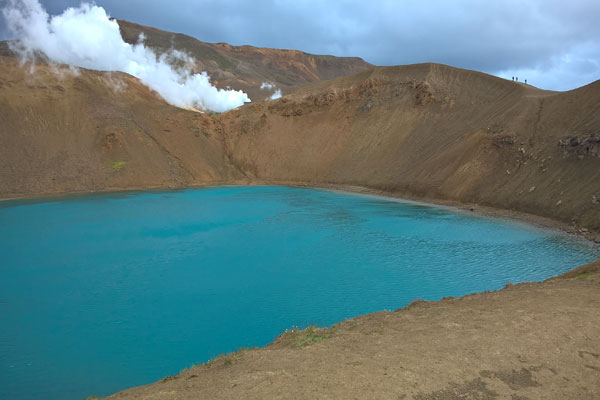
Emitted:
<point x="247" y="67"/>
<point x="93" y="131"/>
<point x="432" y="131"/>
<point x="427" y="131"/>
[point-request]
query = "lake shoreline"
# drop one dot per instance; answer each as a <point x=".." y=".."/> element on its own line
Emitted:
<point x="527" y="340"/>
<point x="559" y="303"/>
<point x="476" y="209"/>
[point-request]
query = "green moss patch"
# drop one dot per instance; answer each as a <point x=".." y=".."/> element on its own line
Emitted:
<point x="298" y="339"/>
<point x="585" y="275"/>
<point x="117" y="164"/>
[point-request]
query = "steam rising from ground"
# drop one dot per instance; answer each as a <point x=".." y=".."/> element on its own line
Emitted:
<point x="271" y="86"/>
<point x="276" y="95"/>
<point x="86" y="37"/>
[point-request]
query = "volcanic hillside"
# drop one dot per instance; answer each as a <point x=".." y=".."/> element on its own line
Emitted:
<point x="432" y="131"/>
<point x="246" y="67"/>
<point x="424" y="131"/>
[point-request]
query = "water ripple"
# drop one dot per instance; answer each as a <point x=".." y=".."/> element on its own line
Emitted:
<point x="99" y="293"/>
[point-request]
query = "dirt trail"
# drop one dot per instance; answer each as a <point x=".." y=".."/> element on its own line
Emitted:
<point x="528" y="341"/>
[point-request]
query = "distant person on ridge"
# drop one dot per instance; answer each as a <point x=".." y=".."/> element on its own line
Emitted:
<point x="513" y="78"/>
<point x="517" y="79"/>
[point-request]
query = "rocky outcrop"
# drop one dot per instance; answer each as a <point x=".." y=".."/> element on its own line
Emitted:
<point x="581" y="146"/>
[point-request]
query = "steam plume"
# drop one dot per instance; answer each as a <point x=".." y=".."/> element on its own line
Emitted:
<point x="86" y="37"/>
<point x="271" y="86"/>
<point x="276" y="95"/>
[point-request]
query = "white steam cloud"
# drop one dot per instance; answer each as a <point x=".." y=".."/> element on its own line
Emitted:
<point x="271" y="86"/>
<point x="86" y="37"/>
<point x="276" y="95"/>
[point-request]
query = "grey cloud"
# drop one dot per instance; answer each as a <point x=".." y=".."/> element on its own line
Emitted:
<point x="551" y="40"/>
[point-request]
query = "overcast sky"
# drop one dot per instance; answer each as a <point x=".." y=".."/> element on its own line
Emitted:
<point x="553" y="44"/>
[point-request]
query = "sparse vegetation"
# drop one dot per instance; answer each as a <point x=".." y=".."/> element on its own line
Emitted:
<point x="585" y="275"/>
<point x="169" y="378"/>
<point x="117" y="164"/>
<point x="299" y="338"/>
<point x="416" y="302"/>
<point x="221" y="360"/>
<point x="227" y="359"/>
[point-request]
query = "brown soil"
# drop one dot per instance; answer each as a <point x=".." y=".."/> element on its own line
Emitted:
<point x="432" y="131"/>
<point x="65" y="133"/>
<point x="527" y="341"/>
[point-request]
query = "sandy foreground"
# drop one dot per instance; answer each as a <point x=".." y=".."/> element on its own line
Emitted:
<point x="527" y="341"/>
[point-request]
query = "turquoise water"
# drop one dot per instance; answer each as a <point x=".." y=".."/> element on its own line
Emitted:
<point x="100" y="293"/>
